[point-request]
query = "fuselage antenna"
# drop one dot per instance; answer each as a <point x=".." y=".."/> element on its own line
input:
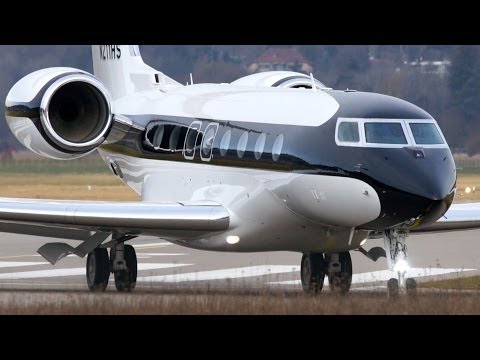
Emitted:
<point x="314" y="87"/>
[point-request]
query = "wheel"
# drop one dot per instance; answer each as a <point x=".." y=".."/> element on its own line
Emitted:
<point x="340" y="282"/>
<point x="392" y="288"/>
<point x="411" y="286"/>
<point x="125" y="280"/>
<point x="98" y="269"/>
<point x="312" y="273"/>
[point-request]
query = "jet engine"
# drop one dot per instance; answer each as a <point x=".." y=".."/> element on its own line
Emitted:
<point x="281" y="79"/>
<point x="60" y="113"/>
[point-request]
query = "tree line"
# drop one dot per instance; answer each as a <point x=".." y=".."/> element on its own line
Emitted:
<point x="449" y="92"/>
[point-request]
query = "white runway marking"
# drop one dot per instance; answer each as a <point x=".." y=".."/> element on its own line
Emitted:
<point x="369" y="288"/>
<point x="223" y="273"/>
<point x="384" y="275"/>
<point x="141" y="255"/>
<point x="20" y="263"/>
<point x="151" y="245"/>
<point x="158" y="254"/>
<point x="74" y="271"/>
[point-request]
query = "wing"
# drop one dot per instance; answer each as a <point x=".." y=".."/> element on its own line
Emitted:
<point x="458" y="217"/>
<point x="93" y="221"/>
<point x="126" y="217"/>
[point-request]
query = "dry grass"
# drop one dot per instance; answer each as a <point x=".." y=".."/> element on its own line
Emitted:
<point x="65" y="186"/>
<point x="32" y="176"/>
<point x="81" y="303"/>
<point x="468" y="180"/>
<point x="109" y="187"/>
<point x="460" y="283"/>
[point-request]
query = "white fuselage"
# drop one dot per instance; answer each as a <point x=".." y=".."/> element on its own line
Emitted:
<point x="268" y="155"/>
<point x="268" y="210"/>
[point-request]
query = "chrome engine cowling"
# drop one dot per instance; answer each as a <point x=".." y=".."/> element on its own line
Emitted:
<point x="281" y="79"/>
<point x="60" y="113"/>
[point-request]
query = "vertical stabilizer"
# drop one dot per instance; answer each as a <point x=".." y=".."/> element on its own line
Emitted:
<point x="123" y="72"/>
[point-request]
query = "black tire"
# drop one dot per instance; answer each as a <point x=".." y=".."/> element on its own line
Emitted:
<point x="98" y="269"/>
<point x="125" y="280"/>
<point x="393" y="291"/>
<point x="312" y="273"/>
<point x="340" y="282"/>
<point x="411" y="286"/>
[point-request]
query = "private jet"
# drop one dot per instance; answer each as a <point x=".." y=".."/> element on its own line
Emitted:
<point x="274" y="161"/>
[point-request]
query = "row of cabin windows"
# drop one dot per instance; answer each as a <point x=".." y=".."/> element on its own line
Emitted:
<point x="176" y="138"/>
<point x="259" y="145"/>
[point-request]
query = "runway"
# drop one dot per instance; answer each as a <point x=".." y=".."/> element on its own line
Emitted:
<point x="162" y="265"/>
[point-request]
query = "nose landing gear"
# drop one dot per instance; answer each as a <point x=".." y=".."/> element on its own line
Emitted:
<point x="396" y="251"/>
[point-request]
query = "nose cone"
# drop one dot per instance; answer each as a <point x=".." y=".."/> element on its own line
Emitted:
<point x="436" y="185"/>
<point x="431" y="175"/>
<point x="412" y="187"/>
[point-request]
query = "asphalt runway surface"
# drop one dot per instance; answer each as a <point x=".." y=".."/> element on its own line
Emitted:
<point x="162" y="265"/>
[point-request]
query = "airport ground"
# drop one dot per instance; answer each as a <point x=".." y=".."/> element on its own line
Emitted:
<point x="178" y="280"/>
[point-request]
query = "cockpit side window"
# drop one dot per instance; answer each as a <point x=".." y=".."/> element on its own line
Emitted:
<point x="425" y="134"/>
<point x="348" y="132"/>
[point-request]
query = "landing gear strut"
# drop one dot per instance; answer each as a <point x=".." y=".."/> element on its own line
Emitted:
<point x="340" y="272"/>
<point x="313" y="272"/>
<point x="338" y="268"/>
<point x="122" y="263"/>
<point x="396" y="251"/>
<point x="124" y="266"/>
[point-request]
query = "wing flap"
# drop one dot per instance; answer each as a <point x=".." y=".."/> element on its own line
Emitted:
<point x="202" y="216"/>
<point x="54" y="252"/>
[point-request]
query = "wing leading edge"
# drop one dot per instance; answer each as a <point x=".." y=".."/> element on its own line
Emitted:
<point x="459" y="217"/>
<point x="25" y="215"/>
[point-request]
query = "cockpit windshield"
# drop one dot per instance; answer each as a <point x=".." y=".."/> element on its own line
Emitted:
<point x="384" y="133"/>
<point x="388" y="133"/>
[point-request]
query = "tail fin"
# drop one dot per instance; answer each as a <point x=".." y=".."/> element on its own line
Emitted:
<point x="123" y="72"/>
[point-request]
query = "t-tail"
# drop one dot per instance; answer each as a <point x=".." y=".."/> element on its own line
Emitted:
<point x="122" y="70"/>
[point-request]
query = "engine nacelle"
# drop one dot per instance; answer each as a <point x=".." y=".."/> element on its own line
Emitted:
<point x="281" y="79"/>
<point x="60" y="113"/>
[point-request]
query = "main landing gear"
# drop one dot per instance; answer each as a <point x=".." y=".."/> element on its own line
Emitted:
<point x="122" y="262"/>
<point x="396" y="252"/>
<point x="337" y="267"/>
